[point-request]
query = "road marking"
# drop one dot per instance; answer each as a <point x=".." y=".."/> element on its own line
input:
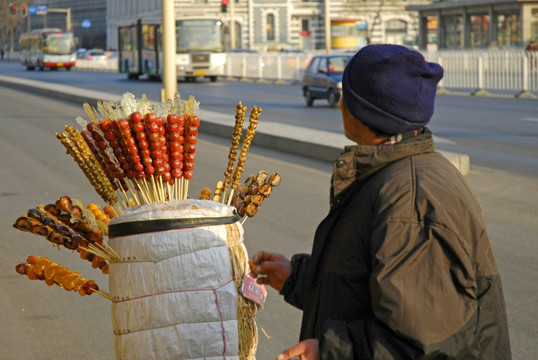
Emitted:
<point x="529" y="119"/>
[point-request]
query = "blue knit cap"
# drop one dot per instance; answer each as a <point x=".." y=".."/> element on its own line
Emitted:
<point x="391" y="88"/>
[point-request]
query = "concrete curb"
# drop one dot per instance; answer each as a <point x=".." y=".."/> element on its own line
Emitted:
<point x="316" y="144"/>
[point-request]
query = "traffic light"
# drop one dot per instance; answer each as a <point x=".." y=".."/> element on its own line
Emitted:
<point x="24" y="10"/>
<point x="13" y="9"/>
<point x="224" y="6"/>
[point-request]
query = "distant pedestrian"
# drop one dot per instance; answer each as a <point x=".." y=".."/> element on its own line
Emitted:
<point x="532" y="46"/>
<point x="2" y="54"/>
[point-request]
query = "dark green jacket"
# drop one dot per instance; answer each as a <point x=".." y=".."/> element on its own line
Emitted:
<point x="402" y="267"/>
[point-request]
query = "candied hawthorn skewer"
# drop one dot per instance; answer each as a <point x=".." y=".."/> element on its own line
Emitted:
<point x="104" y="160"/>
<point x="175" y="132"/>
<point x="79" y="150"/>
<point x="249" y="197"/>
<point x="143" y="145"/>
<point x="113" y="167"/>
<point x="191" y="133"/>
<point x="79" y="225"/>
<point x="110" y="131"/>
<point x="205" y="194"/>
<point x="146" y="162"/>
<point x="249" y="135"/>
<point x="163" y="171"/>
<point x="240" y="112"/>
<point x="120" y="142"/>
<point x="125" y="129"/>
<point x="192" y="122"/>
<point x="219" y="188"/>
<point x="40" y="222"/>
<point x="152" y="126"/>
<point x="41" y="268"/>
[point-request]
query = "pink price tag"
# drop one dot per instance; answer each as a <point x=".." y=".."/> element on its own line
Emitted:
<point x="253" y="291"/>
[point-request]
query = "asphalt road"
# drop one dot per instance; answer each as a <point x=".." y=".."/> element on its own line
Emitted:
<point x="49" y="323"/>
<point x="498" y="132"/>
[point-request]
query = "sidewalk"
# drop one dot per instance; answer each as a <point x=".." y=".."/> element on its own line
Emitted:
<point x="296" y="140"/>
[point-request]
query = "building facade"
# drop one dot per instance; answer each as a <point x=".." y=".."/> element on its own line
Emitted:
<point x="459" y="24"/>
<point x="288" y="24"/>
<point x="88" y="20"/>
<point x="302" y="24"/>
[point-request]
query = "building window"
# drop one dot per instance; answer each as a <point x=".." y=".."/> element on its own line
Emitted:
<point x="452" y="28"/>
<point x="304" y="25"/>
<point x="479" y="31"/>
<point x="270" y="27"/>
<point x="395" y="31"/>
<point x="431" y="30"/>
<point x="508" y="30"/>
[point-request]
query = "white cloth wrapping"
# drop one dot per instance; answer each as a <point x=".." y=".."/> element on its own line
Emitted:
<point x="173" y="291"/>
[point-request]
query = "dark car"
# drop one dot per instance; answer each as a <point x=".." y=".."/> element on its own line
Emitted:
<point x="323" y="78"/>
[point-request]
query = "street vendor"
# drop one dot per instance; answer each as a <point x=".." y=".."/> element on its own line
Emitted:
<point x="401" y="267"/>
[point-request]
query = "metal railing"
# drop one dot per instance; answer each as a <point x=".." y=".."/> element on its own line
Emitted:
<point x="486" y="70"/>
<point x="478" y="71"/>
<point x="268" y="67"/>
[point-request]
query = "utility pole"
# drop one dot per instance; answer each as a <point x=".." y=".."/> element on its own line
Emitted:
<point x="232" y="24"/>
<point x="169" y="51"/>
<point x="327" y="26"/>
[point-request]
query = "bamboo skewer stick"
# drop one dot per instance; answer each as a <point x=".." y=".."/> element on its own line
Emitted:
<point x="230" y="197"/>
<point x="108" y="250"/>
<point x="123" y="192"/>
<point x="118" y="209"/>
<point x="111" y="249"/>
<point x="94" y="250"/>
<point x="186" y="189"/>
<point x="103" y="294"/>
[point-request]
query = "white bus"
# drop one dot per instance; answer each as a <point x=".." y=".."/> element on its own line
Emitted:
<point x="47" y="48"/>
<point x="199" y="49"/>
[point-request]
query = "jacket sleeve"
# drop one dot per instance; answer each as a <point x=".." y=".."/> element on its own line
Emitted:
<point x="424" y="299"/>
<point x="293" y="288"/>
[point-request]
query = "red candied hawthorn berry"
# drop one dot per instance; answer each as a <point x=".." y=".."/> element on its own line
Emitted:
<point x="136" y="117"/>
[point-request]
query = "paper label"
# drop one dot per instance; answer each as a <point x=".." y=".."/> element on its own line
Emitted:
<point x="253" y="291"/>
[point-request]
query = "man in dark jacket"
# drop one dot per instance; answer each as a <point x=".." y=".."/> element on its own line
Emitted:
<point x="401" y="267"/>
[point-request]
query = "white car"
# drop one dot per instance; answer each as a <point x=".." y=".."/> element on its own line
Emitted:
<point x="95" y="55"/>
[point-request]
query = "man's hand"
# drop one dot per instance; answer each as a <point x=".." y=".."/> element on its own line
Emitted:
<point x="305" y="350"/>
<point x="275" y="267"/>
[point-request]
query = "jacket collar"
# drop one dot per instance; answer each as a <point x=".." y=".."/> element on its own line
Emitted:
<point x="360" y="161"/>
